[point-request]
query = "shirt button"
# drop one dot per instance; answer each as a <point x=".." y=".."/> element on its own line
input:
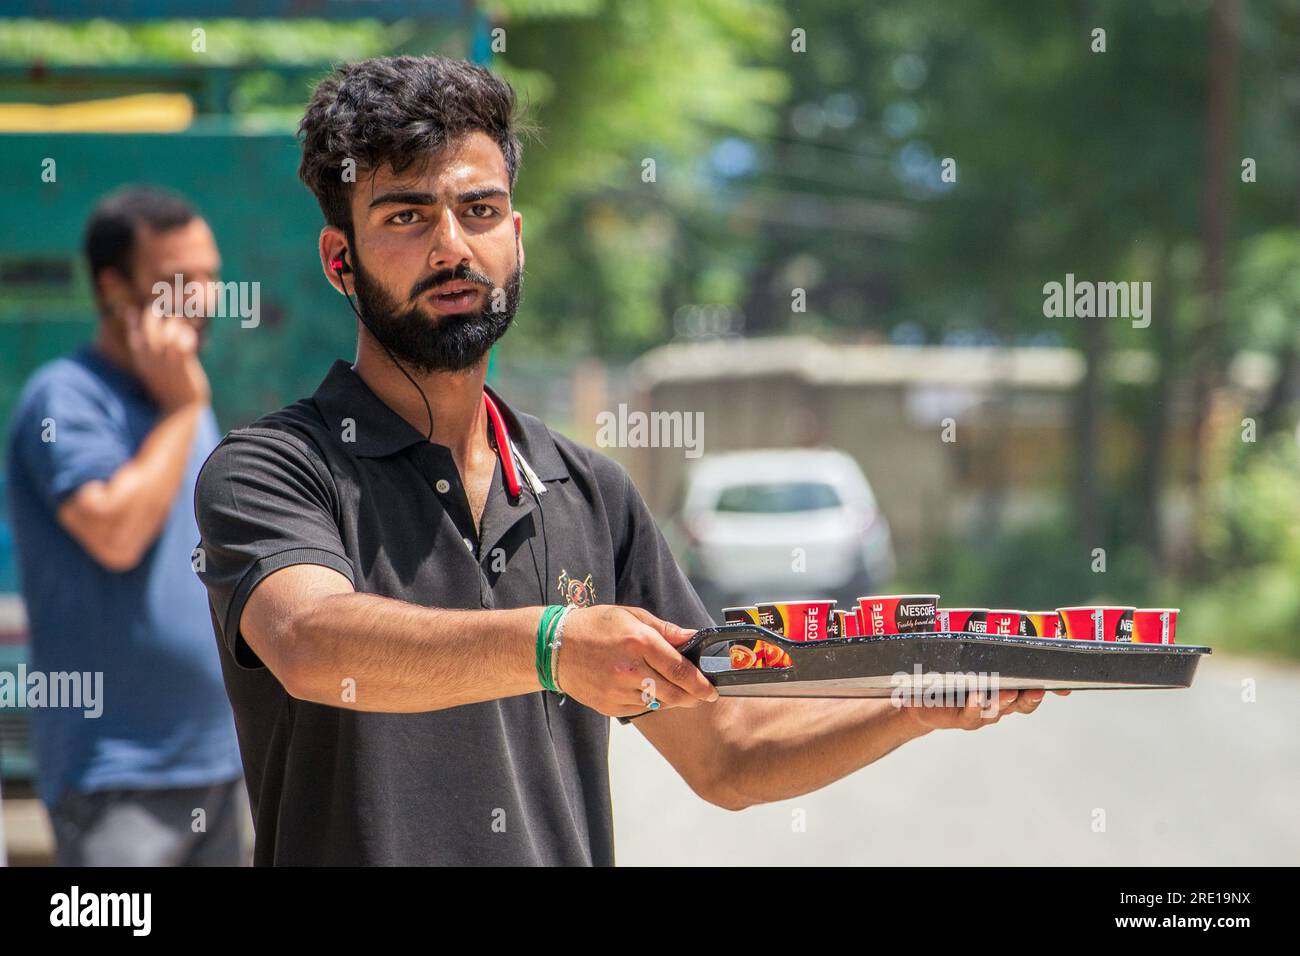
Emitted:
<point x="443" y="486"/>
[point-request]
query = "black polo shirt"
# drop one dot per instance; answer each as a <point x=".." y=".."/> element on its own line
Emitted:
<point x="341" y="480"/>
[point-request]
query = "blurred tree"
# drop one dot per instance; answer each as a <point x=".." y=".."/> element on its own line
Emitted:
<point x="632" y="111"/>
<point x="1067" y="158"/>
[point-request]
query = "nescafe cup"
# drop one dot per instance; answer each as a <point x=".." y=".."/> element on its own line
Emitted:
<point x="835" y="623"/>
<point x="1046" y="624"/>
<point x="897" y="613"/>
<point x="797" y="620"/>
<point x="740" y="615"/>
<point x="1154" y="625"/>
<point x="1003" y="621"/>
<point x="1098" y="622"/>
<point x="960" y="619"/>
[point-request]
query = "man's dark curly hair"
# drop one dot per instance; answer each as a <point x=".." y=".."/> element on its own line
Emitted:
<point x="398" y="110"/>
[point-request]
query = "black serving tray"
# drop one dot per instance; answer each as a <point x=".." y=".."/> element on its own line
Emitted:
<point x="866" y="666"/>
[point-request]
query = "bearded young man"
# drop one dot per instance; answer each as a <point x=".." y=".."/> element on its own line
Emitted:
<point x="380" y="557"/>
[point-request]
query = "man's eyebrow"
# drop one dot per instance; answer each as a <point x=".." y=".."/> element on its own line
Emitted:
<point x="483" y="192"/>
<point x="426" y="199"/>
<point x="403" y="199"/>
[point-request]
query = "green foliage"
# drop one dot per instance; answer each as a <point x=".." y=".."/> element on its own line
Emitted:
<point x="610" y="254"/>
<point x="1253" y="600"/>
<point x="1256" y="518"/>
<point x="1033" y="568"/>
<point x="228" y="42"/>
<point x="1266" y="290"/>
<point x="1251" y="612"/>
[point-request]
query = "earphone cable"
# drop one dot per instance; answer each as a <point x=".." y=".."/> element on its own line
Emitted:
<point x="424" y="398"/>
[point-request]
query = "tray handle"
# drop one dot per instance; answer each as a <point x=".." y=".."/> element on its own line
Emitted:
<point x="702" y="639"/>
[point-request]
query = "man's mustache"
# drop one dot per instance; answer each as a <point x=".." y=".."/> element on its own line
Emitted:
<point x="449" y="275"/>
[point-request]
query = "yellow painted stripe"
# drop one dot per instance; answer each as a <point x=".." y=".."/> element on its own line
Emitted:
<point x="140" y="113"/>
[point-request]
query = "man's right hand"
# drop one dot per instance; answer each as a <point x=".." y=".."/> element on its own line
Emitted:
<point x="164" y="355"/>
<point x="617" y="659"/>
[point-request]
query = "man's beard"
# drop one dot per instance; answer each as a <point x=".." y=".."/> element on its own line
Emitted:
<point x="436" y="342"/>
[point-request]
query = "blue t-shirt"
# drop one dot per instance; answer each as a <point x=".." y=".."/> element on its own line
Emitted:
<point x="166" y="720"/>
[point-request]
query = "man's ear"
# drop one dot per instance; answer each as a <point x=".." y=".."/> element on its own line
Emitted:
<point x="330" y="245"/>
<point x="114" y="292"/>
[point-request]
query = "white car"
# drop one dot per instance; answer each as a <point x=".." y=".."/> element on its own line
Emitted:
<point x="782" y="524"/>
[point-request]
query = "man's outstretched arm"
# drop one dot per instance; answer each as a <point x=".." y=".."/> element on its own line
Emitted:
<point x="321" y="638"/>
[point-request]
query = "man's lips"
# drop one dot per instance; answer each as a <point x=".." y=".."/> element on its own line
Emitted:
<point x="459" y="285"/>
<point x="454" y="296"/>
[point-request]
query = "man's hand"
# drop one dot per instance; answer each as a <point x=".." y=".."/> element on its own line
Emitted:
<point x="978" y="711"/>
<point x="164" y="355"/>
<point x="117" y="520"/>
<point x="617" y="659"/>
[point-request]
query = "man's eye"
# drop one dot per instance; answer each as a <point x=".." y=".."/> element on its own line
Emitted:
<point x="486" y="211"/>
<point x="404" y="222"/>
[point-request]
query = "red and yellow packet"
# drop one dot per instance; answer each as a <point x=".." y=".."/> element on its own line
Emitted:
<point x="762" y="654"/>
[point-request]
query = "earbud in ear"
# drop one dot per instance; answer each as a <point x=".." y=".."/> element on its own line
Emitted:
<point x="340" y="262"/>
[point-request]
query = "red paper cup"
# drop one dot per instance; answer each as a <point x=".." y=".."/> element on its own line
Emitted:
<point x="897" y="613"/>
<point x="1154" y="625"/>
<point x="851" y="627"/>
<point x="960" y="619"/>
<point x="797" y="620"/>
<point x="1098" y="622"/>
<point x="740" y="615"/>
<point x="1015" y="622"/>
<point x="1046" y="624"/>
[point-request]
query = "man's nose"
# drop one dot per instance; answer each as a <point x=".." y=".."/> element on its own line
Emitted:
<point x="450" y="247"/>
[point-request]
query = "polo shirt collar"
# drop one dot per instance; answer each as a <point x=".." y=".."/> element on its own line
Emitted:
<point x="379" y="431"/>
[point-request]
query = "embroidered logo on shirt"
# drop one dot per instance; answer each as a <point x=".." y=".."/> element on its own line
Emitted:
<point x="578" y="593"/>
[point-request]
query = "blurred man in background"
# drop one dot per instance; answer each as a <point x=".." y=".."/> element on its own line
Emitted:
<point x="104" y="450"/>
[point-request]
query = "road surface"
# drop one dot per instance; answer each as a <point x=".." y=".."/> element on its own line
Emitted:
<point x="1184" y="777"/>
